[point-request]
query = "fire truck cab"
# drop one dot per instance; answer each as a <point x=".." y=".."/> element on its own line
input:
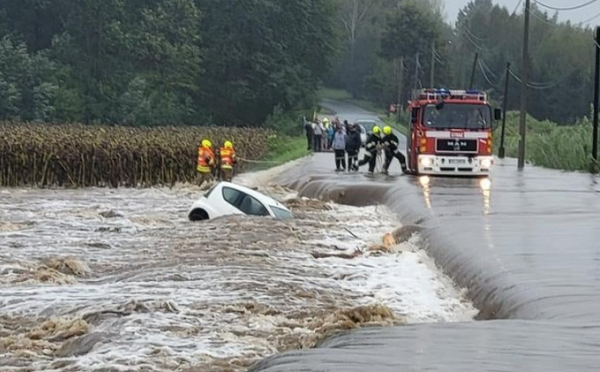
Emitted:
<point x="450" y="133"/>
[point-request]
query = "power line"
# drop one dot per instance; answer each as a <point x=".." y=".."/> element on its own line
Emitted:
<point x="540" y="86"/>
<point x="533" y="85"/>
<point x="591" y="19"/>
<point x="485" y="76"/>
<point x="489" y="70"/>
<point x="473" y="35"/>
<point x="474" y="43"/>
<point x="548" y="22"/>
<point x="570" y="8"/>
<point x="517" y="7"/>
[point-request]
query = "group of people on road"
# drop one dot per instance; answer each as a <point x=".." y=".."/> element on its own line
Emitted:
<point x="346" y="141"/>
<point x="219" y="165"/>
<point x="319" y="134"/>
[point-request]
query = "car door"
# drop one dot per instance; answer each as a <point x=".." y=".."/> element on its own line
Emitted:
<point x="230" y="202"/>
<point x="252" y="207"/>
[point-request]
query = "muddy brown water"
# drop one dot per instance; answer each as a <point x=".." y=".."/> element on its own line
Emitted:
<point x="118" y="280"/>
<point x="527" y="247"/>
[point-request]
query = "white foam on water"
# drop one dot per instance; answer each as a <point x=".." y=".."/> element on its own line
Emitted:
<point x="172" y="294"/>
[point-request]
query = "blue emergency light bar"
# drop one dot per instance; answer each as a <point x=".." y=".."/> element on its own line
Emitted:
<point x="436" y="93"/>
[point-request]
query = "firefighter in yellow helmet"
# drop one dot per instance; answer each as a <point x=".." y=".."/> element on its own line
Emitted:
<point x="371" y="148"/>
<point x="228" y="161"/>
<point x="206" y="162"/>
<point x="390" y="147"/>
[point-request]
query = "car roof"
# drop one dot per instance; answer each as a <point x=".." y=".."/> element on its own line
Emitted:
<point x="258" y="195"/>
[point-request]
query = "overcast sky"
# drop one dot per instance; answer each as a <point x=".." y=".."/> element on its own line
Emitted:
<point x="579" y="15"/>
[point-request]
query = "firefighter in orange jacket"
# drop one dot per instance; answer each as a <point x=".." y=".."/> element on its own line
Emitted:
<point x="227" y="154"/>
<point x="206" y="162"/>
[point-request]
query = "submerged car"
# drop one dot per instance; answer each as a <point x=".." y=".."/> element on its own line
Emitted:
<point x="226" y="198"/>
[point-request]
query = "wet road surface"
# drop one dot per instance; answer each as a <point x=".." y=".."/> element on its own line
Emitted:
<point x="525" y="244"/>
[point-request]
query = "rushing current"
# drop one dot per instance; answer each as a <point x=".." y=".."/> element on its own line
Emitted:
<point x="120" y="280"/>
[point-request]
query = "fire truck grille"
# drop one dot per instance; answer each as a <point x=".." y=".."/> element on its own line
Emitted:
<point x="456" y="145"/>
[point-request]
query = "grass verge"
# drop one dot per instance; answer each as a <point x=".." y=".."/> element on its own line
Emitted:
<point x="564" y="147"/>
<point x="342" y="95"/>
<point x="391" y="121"/>
<point x="282" y="149"/>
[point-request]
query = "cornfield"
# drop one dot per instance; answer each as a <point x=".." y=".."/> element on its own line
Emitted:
<point x="73" y="155"/>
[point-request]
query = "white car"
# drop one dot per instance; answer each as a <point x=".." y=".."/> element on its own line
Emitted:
<point x="226" y="198"/>
<point x="363" y="135"/>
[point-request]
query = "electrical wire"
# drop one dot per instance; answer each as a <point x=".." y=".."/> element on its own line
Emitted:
<point x="485" y="76"/>
<point x="539" y="86"/>
<point x="517" y="7"/>
<point x="473" y="35"/>
<point x="489" y="70"/>
<point x="590" y="19"/>
<point x="570" y="8"/>
<point x="477" y="45"/>
<point x="534" y="15"/>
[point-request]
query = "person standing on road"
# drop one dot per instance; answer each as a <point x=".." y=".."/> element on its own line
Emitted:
<point x="390" y="145"/>
<point x="339" y="147"/>
<point x="353" y="147"/>
<point x="331" y="129"/>
<point x="308" y="127"/>
<point x="318" y="136"/>
<point x="371" y="148"/>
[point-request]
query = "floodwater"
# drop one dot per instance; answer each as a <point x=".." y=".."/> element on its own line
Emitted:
<point x="524" y="244"/>
<point x="120" y="280"/>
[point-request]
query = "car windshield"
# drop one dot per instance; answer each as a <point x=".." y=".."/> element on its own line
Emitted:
<point x="457" y="116"/>
<point x="282" y="214"/>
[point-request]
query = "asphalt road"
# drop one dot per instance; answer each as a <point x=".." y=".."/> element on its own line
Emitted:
<point x="524" y="243"/>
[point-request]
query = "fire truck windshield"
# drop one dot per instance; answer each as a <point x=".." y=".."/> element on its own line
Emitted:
<point x="457" y="116"/>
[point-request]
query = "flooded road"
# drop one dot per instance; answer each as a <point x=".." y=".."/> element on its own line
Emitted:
<point x="525" y="244"/>
<point x="120" y="280"/>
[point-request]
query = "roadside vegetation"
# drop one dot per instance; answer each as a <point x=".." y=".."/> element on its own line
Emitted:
<point x="282" y="149"/>
<point x="566" y="147"/>
<point x="83" y="155"/>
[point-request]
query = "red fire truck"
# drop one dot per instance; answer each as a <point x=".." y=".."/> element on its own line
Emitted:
<point x="450" y="132"/>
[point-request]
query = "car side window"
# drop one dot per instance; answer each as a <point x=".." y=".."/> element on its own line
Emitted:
<point x="252" y="206"/>
<point x="232" y="196"/>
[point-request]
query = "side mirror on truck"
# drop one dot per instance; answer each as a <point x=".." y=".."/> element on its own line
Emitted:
<point x="497" y="114"/>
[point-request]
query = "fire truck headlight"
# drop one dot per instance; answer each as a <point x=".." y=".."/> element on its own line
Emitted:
<point x="486" y="163"/>
<point x="427" y="162"/>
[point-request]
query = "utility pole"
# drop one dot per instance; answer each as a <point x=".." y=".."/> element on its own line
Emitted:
<point x="416" y="71"/>
<point x="593" y="167"/>
<point x="473" y="70"/>
<point x="399" y="105"/>
<point x="504" y="105"/>
<point x="524" y="82"/>
<point x="432" y="74"/>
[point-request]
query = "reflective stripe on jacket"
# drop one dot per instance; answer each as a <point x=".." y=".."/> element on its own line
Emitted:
<point x="206" y="159"/>
<point x="227" y="158"/>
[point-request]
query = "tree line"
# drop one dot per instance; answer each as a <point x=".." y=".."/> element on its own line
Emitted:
<point x="227" y="62"/>
<point x="392" y="45"/>
<point x="162" y="62"/>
